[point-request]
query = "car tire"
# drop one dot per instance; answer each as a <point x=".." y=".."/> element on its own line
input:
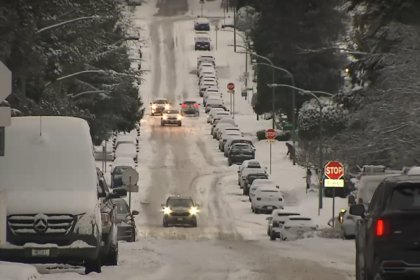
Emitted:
<point x="93" y="265"/>
<point x="229" y="162"/>
<point x="179" y="123"/>
<point x="111" y="259"/>
<point x="165" y="223"/>
<point x="133" y="236"/>
<point x="162" y="124"/>
<point x="272" y="236"/>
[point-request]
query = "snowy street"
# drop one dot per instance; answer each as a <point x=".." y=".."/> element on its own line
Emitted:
<point x="230" y="241"/>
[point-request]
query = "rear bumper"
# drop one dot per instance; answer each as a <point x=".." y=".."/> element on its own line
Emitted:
<point x="403" y="271"/>
<point x="190" y="111"/>
<point x="171" y="121"/>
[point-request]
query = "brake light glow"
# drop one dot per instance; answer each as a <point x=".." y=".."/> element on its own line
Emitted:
<point x="381" y="227"/>
<point x="196" y="105"/>
<point x="184" y="105"/>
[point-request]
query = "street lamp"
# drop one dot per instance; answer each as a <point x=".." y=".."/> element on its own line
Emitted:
<point x="293" y="101"/>
<point x="273" y="77"/>
<point x="321" y="143"/>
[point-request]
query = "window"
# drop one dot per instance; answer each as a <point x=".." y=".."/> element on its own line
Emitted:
<point x="405" y="197"/>
<point x="122" y="207"/>
<point x="180" y="202"/>
<point x="377" y="199"/>
<point x="160" y="102"/>
<point x="300" y="219"/>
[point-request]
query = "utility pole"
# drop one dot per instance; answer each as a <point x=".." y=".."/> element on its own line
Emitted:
<point x="234" y="26"/>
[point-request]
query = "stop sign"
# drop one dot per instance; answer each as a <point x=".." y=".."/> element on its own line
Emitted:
<point x="231" y="86"/>
<point x="334" y="170"/>
<point x="270" y="134"/>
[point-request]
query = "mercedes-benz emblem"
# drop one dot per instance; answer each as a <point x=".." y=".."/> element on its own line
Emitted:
<point x="40" y="225"/>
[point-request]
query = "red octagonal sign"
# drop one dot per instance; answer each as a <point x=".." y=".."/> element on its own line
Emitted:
<point x="270" y="134"/>
<point x="231" y="86"/>
<point x="334" y="170"/>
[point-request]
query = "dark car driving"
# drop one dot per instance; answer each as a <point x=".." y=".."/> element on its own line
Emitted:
<point x="387" y="235"/>
<point x="202" y="43"/>
<point x="240" y="152"/>
<point x="125" y="221"/>
<point x="180" y="210"/>
<point x="190" y="107"/>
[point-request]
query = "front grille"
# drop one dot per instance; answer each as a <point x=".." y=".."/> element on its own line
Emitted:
<point x="26" y="224"/>
<point x="180" y="214"/>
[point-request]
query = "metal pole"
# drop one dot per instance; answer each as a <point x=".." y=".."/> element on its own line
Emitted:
<point x="230" y="96"/>
<point x="217" y="28"/>
<point x="270" y="157"/>
<point x="294" y="119"/>
<point x="333" y="208"/>
<point x="321" y="159"/>
<point x="129" y="193"/>
<point x="104" y="169"/>
<point x="246" y="71"/>
<point x="233" y="107"/>
<point x="224" y="13"/>
<point x="234" y="27"/>
<point x="273" y="93"/>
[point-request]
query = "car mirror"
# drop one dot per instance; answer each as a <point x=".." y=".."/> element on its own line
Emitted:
<point x="278" y="187"/>
<point x="268" y="218"/>
<point x="351" y="200"/>
<point x="357" y="210"/>
<point x="119" y="192"/>
<point x="134" y="212"/>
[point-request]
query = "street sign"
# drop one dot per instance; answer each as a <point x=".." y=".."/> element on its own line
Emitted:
<point x="130" y="177"/>
<point x="5" y="82"/>
<point x="231" y="91"/>
<point x="334" y="170"/>
<point x="231" y="86"/>
<point x="270" y="134"/>
<point x="334" y="183"/>
<point x="244" y="93"/>
<point x="246" y="75"/>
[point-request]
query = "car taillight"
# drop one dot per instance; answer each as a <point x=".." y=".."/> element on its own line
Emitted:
<point x="196" y="105"/>
<point x="258" y="198"/>
<point x="286" y="227"/>
<point x="381" y="227"/>
<point x="360" y="200"/>
<point x="106" y="219"/>
<point x="184" y="105"/>
<point x="247" y="181"/>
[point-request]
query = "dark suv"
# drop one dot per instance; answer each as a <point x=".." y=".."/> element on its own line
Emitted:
<point x="240" y="152"/>
<point x="203" y="43"/>
<point x="388" y="233"/>
<point x="180" y="210"/>
<point x="250" y="179"/>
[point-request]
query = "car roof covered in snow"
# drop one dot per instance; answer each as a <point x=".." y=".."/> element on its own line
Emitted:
<point x="48" y="153"/>
<point x="125" y="149"/>
<point x="202" y="20"/>
<point x="160" y="99"/>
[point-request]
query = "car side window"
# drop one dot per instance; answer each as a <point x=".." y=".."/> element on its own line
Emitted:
<point x="377" y="199"/>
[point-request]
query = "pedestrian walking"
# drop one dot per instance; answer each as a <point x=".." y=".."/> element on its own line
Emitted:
<point x="308" y="178"/>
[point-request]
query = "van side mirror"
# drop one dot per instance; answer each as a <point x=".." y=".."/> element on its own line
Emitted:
<point x="351" y="200"/>
<point x="278" y="187"/>
<point x="135" y="212"/>
<point x="269" y="218"/>
<point x="357" y="210"/>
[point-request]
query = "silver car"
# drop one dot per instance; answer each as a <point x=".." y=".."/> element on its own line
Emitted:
<point x="125" y="221"/>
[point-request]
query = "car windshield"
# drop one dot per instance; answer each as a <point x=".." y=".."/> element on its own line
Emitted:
<point x="251" y="178"/>
<point x="119" y="170"/>
<point x="241" y="147"/>
<point x="180" y="202"/>
<point x="203" y="39"/>
<point x="254" y="165"/>
<point x="406" y="197"/>
<point x="190" y="102"/>
<point x="171" y="112"/>
<point x="121" y="207"/>
<point x="160" y="102"/>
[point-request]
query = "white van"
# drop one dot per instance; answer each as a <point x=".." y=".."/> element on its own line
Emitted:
<point x="49" y="177"/>
<point x="266" y="199"/>
<point x="367" y="186"/>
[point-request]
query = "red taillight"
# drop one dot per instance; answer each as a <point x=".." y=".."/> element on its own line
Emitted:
<point x="184" y="105"/>
<point x="258" y="198"/>
<point x="106" y="219"/>
<point x="196" y="105"/>
<point x="360" y="200"/>
<point x="381" y="227"/>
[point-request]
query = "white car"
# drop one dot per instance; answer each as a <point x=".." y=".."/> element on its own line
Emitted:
<point x="225" y="136"/>
<point x="212" y="112"/>
<point x="295" y="227"/>
<point x="126" y="150"/>
<point x="209" y="79"/>
<point x="276" y="220"/>
<point x="206" y="76"/>
<point x="207" y="72"/>
<point x="204" y="86"/>
<point x="221" y="125"/>
<point x="224" y="129"/>
<point x="258" y="183"/>
<point x="210" y="95"/>
<point x="125" y="138"/>
<point x="266" y="199"/>
<point x="223" y="121"/>
<point x="205" y="65"/>
<point x="249" y="163"/>
<point x="348" y="226"/>
<point x="220" y="115"/>
<point x="123" y="161"/>
<point x="214" y="103"/>
<point x="205" y="58"/>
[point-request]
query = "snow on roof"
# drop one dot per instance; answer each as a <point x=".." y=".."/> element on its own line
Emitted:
<point x="202" y="20"/>
<point x="61" y="158"/>
<point x="125" y="150"/>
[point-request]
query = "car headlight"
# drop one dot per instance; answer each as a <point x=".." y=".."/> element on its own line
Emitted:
<point x="179" y="117"/>
<point x="167" y="106"/>
<point x="153" y="106"/>
<point x="164" y="117"/>
<point x="193" y="211"/>
<point x="167" y="210"/>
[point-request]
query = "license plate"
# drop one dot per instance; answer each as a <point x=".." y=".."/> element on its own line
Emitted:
<point x="299" y="232"/>
<point x="180" y="219"/>
<point x="269" y="207"/>
<point x="40" y="252"/>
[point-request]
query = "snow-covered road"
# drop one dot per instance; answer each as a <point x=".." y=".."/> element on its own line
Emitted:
<point x="184" y="160"/>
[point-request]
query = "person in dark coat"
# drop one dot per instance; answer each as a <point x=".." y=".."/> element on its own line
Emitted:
<point x="308" y="178"/>
<point x="290" y="151"/>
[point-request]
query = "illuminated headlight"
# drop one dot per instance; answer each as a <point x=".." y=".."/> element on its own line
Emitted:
<point x="193" y="211"/>
<point x="164" y="117"/>
<point x="153" y="107"/>
<point x="179" y="117"/>
<point x="167" y="210"/>
<point x="167" y="106"/>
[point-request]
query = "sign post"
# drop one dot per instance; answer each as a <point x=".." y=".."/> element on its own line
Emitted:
<point x="270" y="135"/>
<point x="217" y="29"/>
<point x="334" y="171"/>
<point x="130" y="177"/>
<point x="5" y="120"/>
<point x="231" y="90"/>
<point x="202" y="4"/>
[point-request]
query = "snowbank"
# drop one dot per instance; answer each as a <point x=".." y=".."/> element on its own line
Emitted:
<point x="17" y="271"/>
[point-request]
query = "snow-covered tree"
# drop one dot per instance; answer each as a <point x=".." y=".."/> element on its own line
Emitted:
<point x="50" y="68"/>
<point x="246" y="18"/>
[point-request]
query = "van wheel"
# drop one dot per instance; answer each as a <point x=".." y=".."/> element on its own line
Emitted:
<point x="93" y="265"/>
<point x="111" y="259"/>
<point x="229" y="162"/>
<point x="272" y="236"/>
<point x="165" y="223"/>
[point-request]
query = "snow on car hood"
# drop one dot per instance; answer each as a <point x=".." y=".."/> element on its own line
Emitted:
<point x="50" y="202"/>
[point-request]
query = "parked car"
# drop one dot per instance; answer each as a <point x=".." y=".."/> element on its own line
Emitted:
<point x="295" y="227"/>
<point x="266" y="199"/>
<point x="104" y="151"/>
<point x="220" y="122"/>
<point x="205" y="58"/>
<point x="276" y="221"/>
<point x="126" y="138"/>
<point x="202" y="43"/>
<point x="248" y="186"/>
<point x="240" y="152"/>
<point x="126" y="150"/>
<point x="213" y="112"/>
<point x="237" y="140"/>
<point x="247" y="164"/>
<point x="125" y="221"/>
<point x="202" y="24"/>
